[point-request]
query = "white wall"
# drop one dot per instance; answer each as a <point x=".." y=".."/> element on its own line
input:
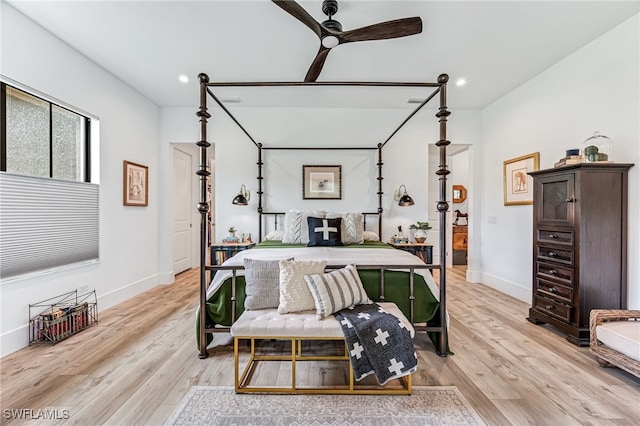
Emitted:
<point x="405" y="158"/>
<point x="596" y="88"/>
<point x="129" y="125"/>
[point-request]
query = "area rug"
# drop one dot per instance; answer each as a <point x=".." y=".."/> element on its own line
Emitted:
<point x="220" y="406"/>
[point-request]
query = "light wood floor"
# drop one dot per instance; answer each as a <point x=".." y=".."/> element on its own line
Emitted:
<point x="138" y="362"/>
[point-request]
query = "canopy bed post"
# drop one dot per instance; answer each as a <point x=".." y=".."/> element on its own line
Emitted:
<point x="380" y="163"/>
<point x="260" y="178"/>
<point x="443" y="207"/>
<point x="203" y="208"/>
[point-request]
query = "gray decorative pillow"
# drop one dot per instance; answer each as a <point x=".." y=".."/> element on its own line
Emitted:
<point x="336" y="290"/>
<point x="262" y="283"/>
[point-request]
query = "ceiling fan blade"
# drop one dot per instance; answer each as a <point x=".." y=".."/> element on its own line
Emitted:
<point x="298" y="12"/>
<point x="317" y="64"/>
<point x="384" y="30"/>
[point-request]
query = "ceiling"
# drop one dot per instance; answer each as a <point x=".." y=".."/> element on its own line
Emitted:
<point x="496" y="46"/>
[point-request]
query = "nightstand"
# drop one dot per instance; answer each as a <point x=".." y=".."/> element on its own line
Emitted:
<point x="223" y="251"/>
<point x="423" y="250"/>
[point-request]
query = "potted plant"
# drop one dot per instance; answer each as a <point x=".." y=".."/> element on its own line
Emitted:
<point x="420" y="231"/>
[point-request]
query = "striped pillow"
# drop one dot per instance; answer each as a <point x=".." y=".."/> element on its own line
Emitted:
<point x="336" y="290"/>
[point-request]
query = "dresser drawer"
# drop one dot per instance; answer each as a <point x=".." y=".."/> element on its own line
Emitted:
<point x="556" y="255"/>
<point x="555" y="237"/>
<point x="554" y="308"/>
<point x="550" y="289"/>
<point x="554" y="272"/>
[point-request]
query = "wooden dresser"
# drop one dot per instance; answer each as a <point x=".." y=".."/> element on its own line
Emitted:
<point x="579" y="245"/>
<point x="460" y="244"/>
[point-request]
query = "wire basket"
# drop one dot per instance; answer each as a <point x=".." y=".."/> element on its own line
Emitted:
<point x="57" y="318"/>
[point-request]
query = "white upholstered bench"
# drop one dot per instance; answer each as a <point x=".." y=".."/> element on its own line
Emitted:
<point x="296" y="328"/>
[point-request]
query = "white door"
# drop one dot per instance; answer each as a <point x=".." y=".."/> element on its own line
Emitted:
<point x="182" y="209"/>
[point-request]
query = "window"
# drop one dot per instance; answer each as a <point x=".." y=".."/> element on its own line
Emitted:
<point x="48" y="205"/>
<point x="41" y="138"/>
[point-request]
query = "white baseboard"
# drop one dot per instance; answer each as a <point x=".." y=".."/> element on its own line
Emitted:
<point x="507" y="287"/>
<point x="166" y="278"/>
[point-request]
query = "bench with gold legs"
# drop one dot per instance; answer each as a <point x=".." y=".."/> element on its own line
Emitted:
<point x="267" y="324"/>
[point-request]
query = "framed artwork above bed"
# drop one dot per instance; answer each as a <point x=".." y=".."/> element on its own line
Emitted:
<point x="321" y="182"/>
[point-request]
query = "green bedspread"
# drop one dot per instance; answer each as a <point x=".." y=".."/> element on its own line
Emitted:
<point x="396" y="291"/>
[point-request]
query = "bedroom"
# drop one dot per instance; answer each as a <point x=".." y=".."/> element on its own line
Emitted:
<point x="569" y="97"/>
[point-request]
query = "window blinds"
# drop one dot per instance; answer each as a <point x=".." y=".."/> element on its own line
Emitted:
<point x="46" y="223"/>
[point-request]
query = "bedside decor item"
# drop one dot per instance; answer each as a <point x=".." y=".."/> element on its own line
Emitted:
<point x="420" y="231"/>
<point x="402" y="197"/>
<point x="597" y="149"/>
<point x="231" y="238"/>
<point x="518" y="188"/>
<point x="135" y="191"/>
<point x="321" y="182"/>
<point x="243" y="197"/>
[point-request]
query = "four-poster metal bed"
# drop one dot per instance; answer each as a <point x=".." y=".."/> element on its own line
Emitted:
<point x="440" y="88"/>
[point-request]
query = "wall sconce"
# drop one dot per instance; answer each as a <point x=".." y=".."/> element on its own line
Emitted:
<point x="243" y="197"/>
<point x="402" y="197"/>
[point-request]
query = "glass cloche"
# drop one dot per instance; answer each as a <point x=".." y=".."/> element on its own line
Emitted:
<point x="598" y="148"/>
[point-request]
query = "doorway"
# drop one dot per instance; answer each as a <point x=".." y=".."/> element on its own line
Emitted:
<point x="182" y="224"/>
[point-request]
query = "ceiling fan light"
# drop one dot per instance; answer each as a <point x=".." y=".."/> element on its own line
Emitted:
<point x="330" y="41"/>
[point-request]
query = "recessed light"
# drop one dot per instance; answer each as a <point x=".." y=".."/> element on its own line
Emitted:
<point x="183" y="78"/>
<point x="461" y="82"/>
<point x="415" y="101"/>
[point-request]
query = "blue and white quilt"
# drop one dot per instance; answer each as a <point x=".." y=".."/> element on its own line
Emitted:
<point x="378" y="343"/>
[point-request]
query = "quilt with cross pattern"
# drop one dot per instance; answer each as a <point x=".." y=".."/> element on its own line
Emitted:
<point x="378" y="343"/>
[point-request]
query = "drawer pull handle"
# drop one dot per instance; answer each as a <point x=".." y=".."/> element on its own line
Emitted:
<point x="553" y="290"/>
<point x="549" y="307"/>
<point x="552" y="272"/>
<point x="552" y="254"/>
<point x="570" y="200"/>
<point x="552" y="236"/>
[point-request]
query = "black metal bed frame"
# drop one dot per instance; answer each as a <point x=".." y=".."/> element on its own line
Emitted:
<point x="203" y="173"/>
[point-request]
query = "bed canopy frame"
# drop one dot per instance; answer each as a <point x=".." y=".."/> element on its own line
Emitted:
<point x="439" y="88"/>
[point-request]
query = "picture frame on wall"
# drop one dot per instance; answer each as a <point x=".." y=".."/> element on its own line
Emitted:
<point x="518" y="185"/>
<point x="135" y="191"/>
<point x="321" y="182"/>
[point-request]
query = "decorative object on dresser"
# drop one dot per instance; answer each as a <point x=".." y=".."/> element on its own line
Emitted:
<point x="597" y="149"/>
<point x="517" y="186"/>
<point x="579" y="245"/>
<point x="321" y="182"/>
<point x="459" y="215"/>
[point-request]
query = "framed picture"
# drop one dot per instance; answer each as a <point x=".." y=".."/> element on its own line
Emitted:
<point x="321" y="182"/>
<point x="135" y="189"/>
<point x="518" y="185"/>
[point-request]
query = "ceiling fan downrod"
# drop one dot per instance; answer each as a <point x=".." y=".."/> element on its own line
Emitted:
<point x="329" y="8"/>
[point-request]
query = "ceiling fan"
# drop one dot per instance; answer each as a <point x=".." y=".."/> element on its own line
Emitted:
<point x="331" y="35"/>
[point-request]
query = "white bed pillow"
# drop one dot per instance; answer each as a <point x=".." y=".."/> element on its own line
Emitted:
<point x="352" y="227"/>
<point x="370" y="236"/>
<point x="336" y="290"/>
<point x="294" y="292"/>
<point x="296" y="230"/>
<point x="277" y="235"/>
